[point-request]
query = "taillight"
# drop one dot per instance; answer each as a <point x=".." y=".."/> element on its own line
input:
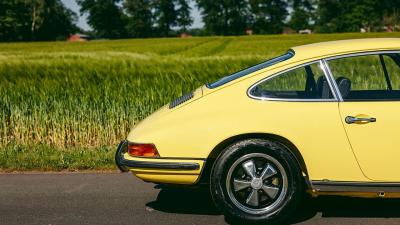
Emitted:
<point x="144" y="150"/>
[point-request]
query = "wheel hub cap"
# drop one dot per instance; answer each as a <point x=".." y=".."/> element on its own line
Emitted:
<point x="256" y="183"/>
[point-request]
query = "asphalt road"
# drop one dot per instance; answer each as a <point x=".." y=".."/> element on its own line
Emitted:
<point x="116" y="198"/>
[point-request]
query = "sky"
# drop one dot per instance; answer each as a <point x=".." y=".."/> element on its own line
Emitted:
<point x="82" y="22"/>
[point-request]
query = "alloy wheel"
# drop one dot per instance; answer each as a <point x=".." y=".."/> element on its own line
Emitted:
<point x="257" y="183"/>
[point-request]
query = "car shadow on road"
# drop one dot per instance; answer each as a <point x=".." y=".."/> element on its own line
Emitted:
<point x="198" y="201"/>
<point x="184" y="201"/>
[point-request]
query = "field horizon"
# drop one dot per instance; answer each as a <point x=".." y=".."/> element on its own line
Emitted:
<point x="66" y="106"/>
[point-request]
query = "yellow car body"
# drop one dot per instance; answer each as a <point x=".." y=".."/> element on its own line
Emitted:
<point x="360" y="158"/>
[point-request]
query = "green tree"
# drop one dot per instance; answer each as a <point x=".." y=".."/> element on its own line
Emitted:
<point x="24" y="20"/>
<point x="58" y="21"/>
<point x="105" y="17"/>
<point x="14" y="20"/>
<point x="269" y="15"/>
<point x="390" y="10"/>
<point x="302" y="15"/>
<point x="213" y="15"/>
<point x="165" y="16"/>
<point x="389" y="7"/>
<point x="225" y="17"/>
<point x="184" y="20"/>
<point x="348" y="16"/>
<point x="139" y="18"/>
<point x="37" y="8"/>
<point x="239" y="16"/>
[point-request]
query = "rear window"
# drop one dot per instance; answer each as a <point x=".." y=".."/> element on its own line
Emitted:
<point x="251" y="69"/>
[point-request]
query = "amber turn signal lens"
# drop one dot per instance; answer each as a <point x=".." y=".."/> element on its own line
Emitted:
<point x="144" y="150"/>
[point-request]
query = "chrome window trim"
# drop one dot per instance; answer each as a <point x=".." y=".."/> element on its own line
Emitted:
<point x="331" y="81"/>
<point x="324" y="70"/>
<point x="326" y="62"/>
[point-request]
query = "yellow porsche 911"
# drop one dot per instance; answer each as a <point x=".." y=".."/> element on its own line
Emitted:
<point x="322" y="119"/>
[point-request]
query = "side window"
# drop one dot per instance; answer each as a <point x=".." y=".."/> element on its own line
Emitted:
<point x="367" y="77"/>
<point x="392" y="64"/>
<point x="307" y="82"/>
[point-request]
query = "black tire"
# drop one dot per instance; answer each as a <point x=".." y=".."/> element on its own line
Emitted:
<point x="279" y="213"/>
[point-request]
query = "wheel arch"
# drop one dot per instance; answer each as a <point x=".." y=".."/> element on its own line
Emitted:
<point x="222" y="145"/>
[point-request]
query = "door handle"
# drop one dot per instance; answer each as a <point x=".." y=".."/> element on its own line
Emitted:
<point x="352" y="119"/>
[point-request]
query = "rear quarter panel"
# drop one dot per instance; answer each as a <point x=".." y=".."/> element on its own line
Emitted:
<point x="315" y="128"/>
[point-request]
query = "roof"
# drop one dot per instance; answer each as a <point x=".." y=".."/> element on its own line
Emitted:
<point x="331" y="48"/>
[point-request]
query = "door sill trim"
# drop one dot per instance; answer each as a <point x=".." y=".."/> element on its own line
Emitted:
<point x="348" y="186"/>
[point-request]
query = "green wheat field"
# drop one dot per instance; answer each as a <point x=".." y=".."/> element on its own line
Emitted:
<point x="65" y="106"/>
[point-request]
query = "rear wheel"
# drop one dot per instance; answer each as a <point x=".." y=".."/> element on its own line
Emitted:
<point x="256" y="181"/>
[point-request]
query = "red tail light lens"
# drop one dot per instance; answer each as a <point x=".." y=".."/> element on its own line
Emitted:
<point x="144" y="150"/>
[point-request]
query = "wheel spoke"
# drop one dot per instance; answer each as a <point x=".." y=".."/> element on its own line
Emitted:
<point x="253" y="198"/>
<point x="239" y="185"/>
<point x="268" y="172"/>
<point x="250" y="168"/>
<point x="270" y="191"/>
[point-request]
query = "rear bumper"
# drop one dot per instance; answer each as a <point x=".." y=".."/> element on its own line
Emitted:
<point x="159" y="170"/>
<point x="160" y="165"/>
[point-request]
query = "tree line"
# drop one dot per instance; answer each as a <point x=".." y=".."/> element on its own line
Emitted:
<point x="24" y="20"/>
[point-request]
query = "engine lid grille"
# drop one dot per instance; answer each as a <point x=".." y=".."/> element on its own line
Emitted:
<point x="180" y="100"/>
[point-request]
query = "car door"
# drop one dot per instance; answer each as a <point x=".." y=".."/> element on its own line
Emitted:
<point x="299" y="104"/>
<point x="370" y="111"/>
